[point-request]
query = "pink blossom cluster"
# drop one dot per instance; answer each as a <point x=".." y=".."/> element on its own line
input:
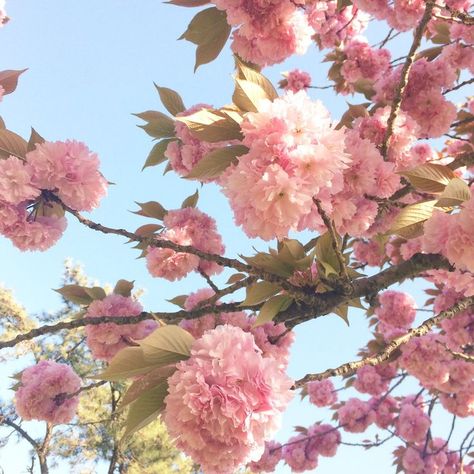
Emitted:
<point x="187" y="151"/>
<point x="368" y="252"/>
<point x="385" y="409"/>
<point x="412" y="423"/>
<point x="363" y="63"/>
<point x="29" y="188"/>
<point x="105" y="340"/>
<point x="452" y="236"/>
<point x="396" y="313"/>
<point x="333" y="27"/>
<point x="355" y="416"/>
<point x="369" y="380"/>
<point x="302" y="451"/>
<point x="294" y="155"/>
<point x="226" y="400"/>
<point x="187" y="227"/>
<point x="264" y="334"/>
<point x="321" y="393"/>
<point x="296" y="80"/>
<point x="267" y="32"/>
<point x="47" y="392"/>
<point x="423" y="97"/>
<point x="270" y="458"/>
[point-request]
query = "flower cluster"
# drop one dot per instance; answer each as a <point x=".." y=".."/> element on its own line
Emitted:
<point x="226" y="400"/>
<point x="186" y="227"/>
<point x="296" y="80"/>
<point x="29" y="190"/>
<point x="47" y="392"/>
<point x="105" y="340"/>
<point x="294" y="155"/>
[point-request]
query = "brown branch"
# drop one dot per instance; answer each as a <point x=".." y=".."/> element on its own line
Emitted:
<point x="397" y="101"/>
<point x="461" y="84"/>
<point x="351" y="367"/>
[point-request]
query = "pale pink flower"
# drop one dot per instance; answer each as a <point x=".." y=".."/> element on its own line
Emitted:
<point x="15" y="181"/>
<point x="225" y="401"/>
<point x="460" y="403"/>
<point x="369" y="381"/>
<point x="45" y="393"/>
<point x="69" y="170"/>
<point x="105" y="340"/>
<point x="270" y="458"/>
<point x="324" y="439"/>
<point x="321" y="393"/>
<point x="370" y="253"/>
<point x="412" y="461"/>
<point x="297" y="80"/>
<point x="412" y="424"/>
<point x="300" y="454"/>
<point x="385" y="410"/>
<point x="396" y="308"/>
<point x="355" y="416"/>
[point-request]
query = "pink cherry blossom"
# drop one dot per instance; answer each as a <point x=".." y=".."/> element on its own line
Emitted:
<point x="355" y="415"/>
<point x="321" y="393"/>
<point x="15" y="181"/>
<point x="105" y="340"/>
<point x="270" y="458"/>
<point x="45" y="393"/>
<point x="300" y="454"/>
<point x="369" y="381"/>
<point x="226" y="400"/>
<point x="297" y="80"/>
<point x="412" y="424"/>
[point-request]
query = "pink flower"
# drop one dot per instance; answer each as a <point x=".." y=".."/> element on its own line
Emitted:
<point x="45" y="393"/>
<point x="369" y="381"/>
<point x="396" y="308"/>
<point x="385" y="411"/>
<point x="412" y="424"/>
<point x="226" y="400"/>
<point x="300" y="454"/>
<point x="270" y="458"/>
<point x="295" y="155"/>
<point x="105" y="340"/>
<point x="325" y="439"/>
<point x="355" y="416"/>
<point x="369" y="253"/>
<point x="460" y="403"/>
<point x="15" y="181"/>
<point x="69" y="170"/>
<point x="321" y="393"/>
<point x="412" y="461"/>
<point x="297" y="80"/>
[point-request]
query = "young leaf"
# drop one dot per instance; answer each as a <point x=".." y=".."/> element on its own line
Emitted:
<point x="270" y="264"/>
<point x="259" y="292"/>
<point x="209" y="30"/>
<point x="188" y="3"/>
<point x="35" y="138"/>
<point x="12" y="144"/>
<point x="148" y="230"/>
<point x="166" y="345"/>
<point x="179" y="300"/>
<point x="455" y="193"/>
<point x="249" y="74"/>
<point x="75" y="294"/>
<point x="191" y="201"/>
<point x="158" y="125"/>
<point x="212" y="126"/>
<point x="145" y="408"/>
<point x="129" y="362"/>
<point x="409" y="223"/>
<point x="272" y="307"/>
<point x="96" y="293"/>
<point x="124" y="288"/>
<point x="171" y="100"/>
<point x="430" y="177"/>
<point x="236" y="277"/>
<point x="248" y="95"/>
<point x="216" y="162"/>
<point x="151" y="209"/>
<point x="157" y="153"/>
<point x="9" y="80"/>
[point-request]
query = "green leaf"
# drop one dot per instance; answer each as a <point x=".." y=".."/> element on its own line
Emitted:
<point x="248" y="95"/>
<point x="325" y="254"/>
<point x="124" y="288"/>
<point x="145" y="408"/>
<point x="409" y="223"/>
<point x="179" y="300"/>
<point x="455" y="193"/>
<point x="342" y="312"/>
<point x="171" y="100"/>
<point x="158" y="124"/>
<point x="12" y="144"/>
<point x="157" y="153"/>
<point x="236" y="277"/>
<point x="270" y="264"/>
<point x="75" y="294"/>
<point x="216" y="162"/>
<point x="429" y="178"/>
<point x="128" y="362"/>
<point x="96" y="293"/>
<point x="148" y="230"/>
<point x="9" y="80"/>
<point x="259" y="292"/>
<point x="209" y="30"/>
<point x="35" y="138"/>
<point x="151" y="209"/>
<point x="191" y="201"/>
<point x="167" y="345"/>
<point x="212" y="126"/>
<point x="146" y="383"/>
<point x="272" y="307"/>
<point x="251" y="75"/>
<point x="291" y="251"/>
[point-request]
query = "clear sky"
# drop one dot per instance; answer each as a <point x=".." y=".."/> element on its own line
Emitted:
<point x="91" y="64"/>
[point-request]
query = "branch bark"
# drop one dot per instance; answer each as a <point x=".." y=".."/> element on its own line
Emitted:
<point x="350" y="368"/>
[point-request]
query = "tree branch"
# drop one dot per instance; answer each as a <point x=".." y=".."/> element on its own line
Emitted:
<point x="397" y="101"/>
<point x="351" y="367"/>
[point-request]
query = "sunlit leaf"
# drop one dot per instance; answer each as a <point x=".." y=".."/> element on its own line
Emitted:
<point x="259" y="292"/>
<point x="12" y="144"/>
<point x="455" y="193"/>
<point x="272" y="307"/>
<point x="124" y="288"/>
<point x="430" y="177"/>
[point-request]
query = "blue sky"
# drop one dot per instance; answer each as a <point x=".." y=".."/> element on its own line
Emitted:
<point x="91" y="65"/>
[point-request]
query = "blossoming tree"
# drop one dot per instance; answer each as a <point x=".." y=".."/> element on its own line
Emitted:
<point x="382" y="200"/>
